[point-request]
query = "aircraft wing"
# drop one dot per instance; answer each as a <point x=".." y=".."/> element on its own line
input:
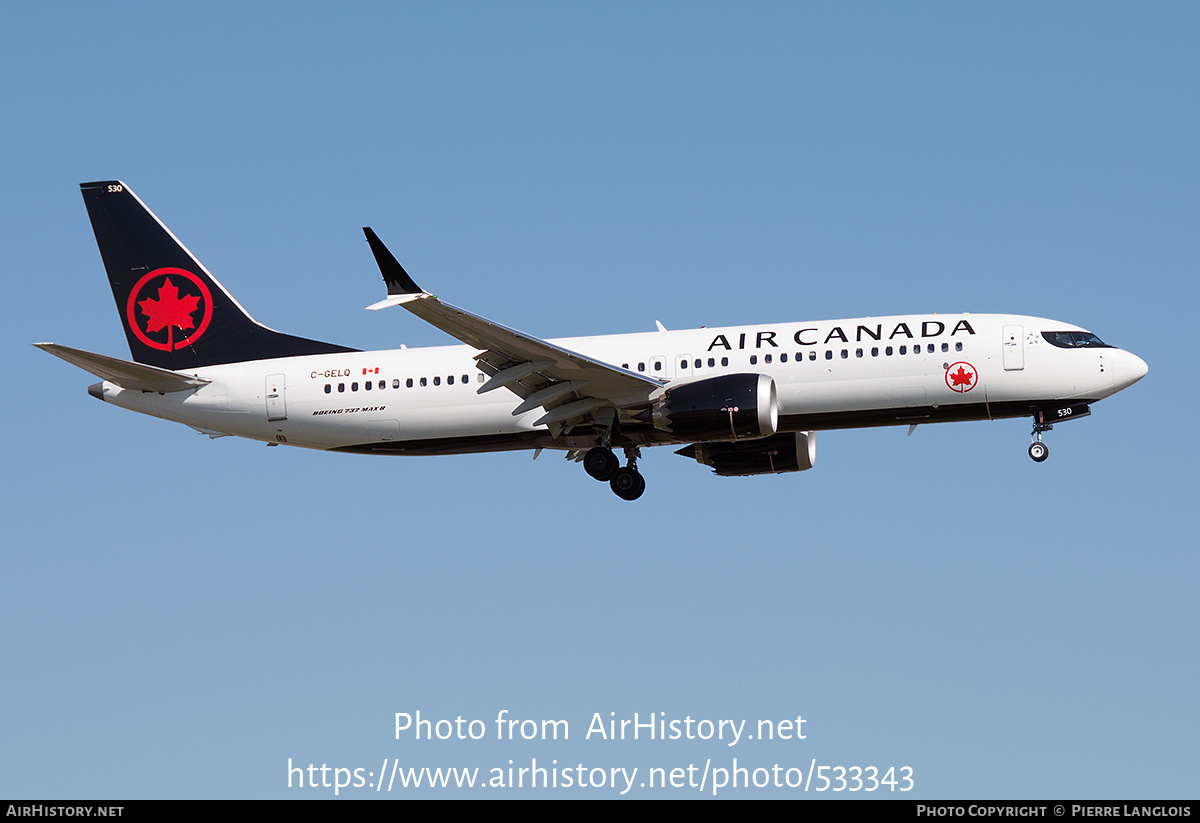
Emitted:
<point x="571" y="387"/>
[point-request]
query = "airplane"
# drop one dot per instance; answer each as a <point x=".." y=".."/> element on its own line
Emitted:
<point x="743" y="400"/>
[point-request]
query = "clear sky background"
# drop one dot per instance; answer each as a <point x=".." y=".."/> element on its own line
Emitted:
<point x="181" y="616"/>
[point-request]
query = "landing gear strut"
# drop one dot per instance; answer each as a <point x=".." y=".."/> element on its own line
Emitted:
<point x="1038" y="450"/>
<point x="628" y="483"/>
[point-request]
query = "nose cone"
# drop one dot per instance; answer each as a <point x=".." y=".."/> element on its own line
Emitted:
<point x="1127" y="370"/>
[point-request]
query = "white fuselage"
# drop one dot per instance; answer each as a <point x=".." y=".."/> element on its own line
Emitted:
<point x="829" y="374"/>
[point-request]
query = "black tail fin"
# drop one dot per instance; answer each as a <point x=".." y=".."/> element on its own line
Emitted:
<point x="176" y="315"/>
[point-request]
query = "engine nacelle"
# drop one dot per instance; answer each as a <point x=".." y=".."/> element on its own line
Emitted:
<point x="727" y="407"/>
<point x="770" y="455"/>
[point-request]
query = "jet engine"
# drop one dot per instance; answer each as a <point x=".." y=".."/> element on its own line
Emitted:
<point x="727" y="407"/>
<point x="770" y="455"/>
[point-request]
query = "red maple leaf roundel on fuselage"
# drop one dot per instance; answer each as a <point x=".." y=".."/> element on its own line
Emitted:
<point x="961" y="376"/>
<point x="165" y="303"/>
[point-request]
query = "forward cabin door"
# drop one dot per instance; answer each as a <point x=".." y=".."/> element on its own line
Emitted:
<point x="276" y="402"/>
<point x="1014" y="348"/>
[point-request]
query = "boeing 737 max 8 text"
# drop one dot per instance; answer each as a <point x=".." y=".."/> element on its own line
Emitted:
<point x="744" y="400"/>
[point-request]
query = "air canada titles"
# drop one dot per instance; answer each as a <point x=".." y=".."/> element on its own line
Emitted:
<point x="814" y="336"/>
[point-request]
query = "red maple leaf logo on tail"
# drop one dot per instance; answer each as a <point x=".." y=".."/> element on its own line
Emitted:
<point x="169" y="309"/>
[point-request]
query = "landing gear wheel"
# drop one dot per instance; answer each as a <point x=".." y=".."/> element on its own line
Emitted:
<point x="1038" y="450"/>
<point x="601" y="463"/>
<point x="627" y="483"/>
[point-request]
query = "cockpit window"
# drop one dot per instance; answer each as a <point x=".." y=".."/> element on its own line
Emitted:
<point x="1074" y="340"/>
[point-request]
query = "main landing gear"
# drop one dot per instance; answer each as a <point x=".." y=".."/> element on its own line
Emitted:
<point x="626" y="481"/>
<point x="1038" y="450"/>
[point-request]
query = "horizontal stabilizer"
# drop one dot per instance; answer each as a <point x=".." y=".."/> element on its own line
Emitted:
<point x="125" y="374"/>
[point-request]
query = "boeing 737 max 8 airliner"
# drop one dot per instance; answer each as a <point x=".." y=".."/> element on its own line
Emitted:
<point x="744" y="400"/>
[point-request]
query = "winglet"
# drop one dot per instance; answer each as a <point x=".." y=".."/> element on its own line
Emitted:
<point x="397" y="279"/>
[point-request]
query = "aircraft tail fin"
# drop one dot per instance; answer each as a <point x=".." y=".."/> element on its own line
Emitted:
<point x="175" y="313"/>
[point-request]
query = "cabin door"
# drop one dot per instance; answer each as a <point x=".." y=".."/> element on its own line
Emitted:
<point x="276" y="402"/>
<point x="1014" y="348"/>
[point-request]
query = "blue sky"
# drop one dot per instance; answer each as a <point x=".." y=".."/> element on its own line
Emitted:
<point x="182" y="616"/>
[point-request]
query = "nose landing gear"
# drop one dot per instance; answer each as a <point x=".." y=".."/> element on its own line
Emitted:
<point x="1038" y="450"/>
